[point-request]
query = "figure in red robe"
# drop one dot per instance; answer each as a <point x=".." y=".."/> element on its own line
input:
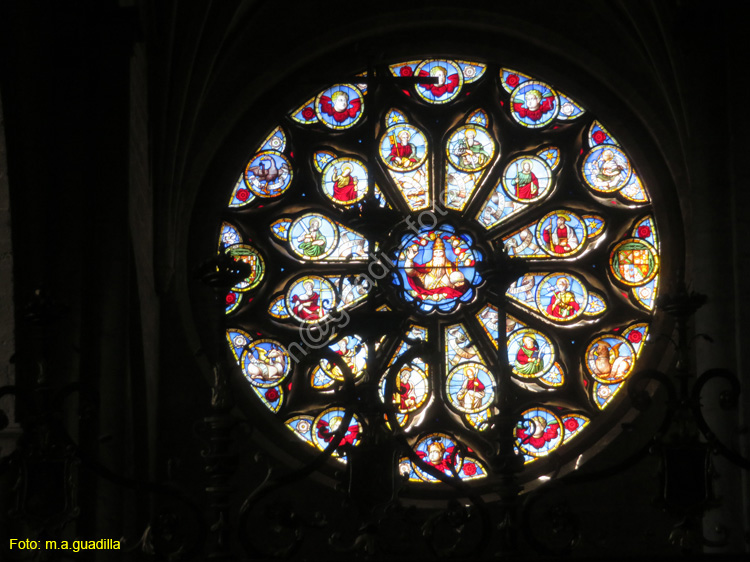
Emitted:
<point x="563" y="303"/>
<point x="344" y="185"/>
<point x="437" y="279"/>
<point x="338" y="106"/>
<point x="306" y="305"/>
<point x="540" y="433"/>
<point x="403" y="153"/>
<point x="535" y="107"/>
<point x="405" y="398"/>
<point x="525" y="182"/>
<point x="445" y="85"/>
<point x="471" y="394"/>
<point x="561" y="239"/>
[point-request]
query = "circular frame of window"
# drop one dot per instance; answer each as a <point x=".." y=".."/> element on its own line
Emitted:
<point x="391" y="221"/>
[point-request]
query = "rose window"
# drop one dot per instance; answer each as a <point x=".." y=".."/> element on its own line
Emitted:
<point x="433" y="247"/>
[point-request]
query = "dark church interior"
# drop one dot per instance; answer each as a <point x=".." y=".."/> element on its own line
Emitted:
<point x="124" y="125"/>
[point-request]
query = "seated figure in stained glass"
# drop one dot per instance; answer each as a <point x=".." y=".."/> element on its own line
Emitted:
<point x="403" y="153"/>
<point x="405" y="397"/>
<point x="312" y="243"/>
<point x="344" y="184"/>
<point x="561" y="238"/>
<point x="528" y="361"/>
<point x="471" y="152"/>
<point x="609" y="170"/>
<point x="439" y="277"/>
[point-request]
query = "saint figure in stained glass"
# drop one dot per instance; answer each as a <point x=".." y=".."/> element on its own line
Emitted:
<point x="527" y="179"/>
<point x="528" y="360"/>
<point x="312" y="243"/>
<point x="467" y="151"/>
<point x="403" y="153"/>
<point x="562" y="302"/>
<point x="437" y="268"/>
<point x="561" y="237"/>
<point x="344" y="184"/>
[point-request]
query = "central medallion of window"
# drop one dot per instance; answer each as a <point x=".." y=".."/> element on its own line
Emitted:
<point x="436" y="269"/>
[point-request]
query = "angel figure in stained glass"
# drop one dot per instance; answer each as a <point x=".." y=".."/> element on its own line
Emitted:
<point x="306" y="305"/>
<point x="528" y="360"/>
<point x="608" y="170"/>
<point x="535" y="105"/>
<point x="471" y="394"/>
<point x="312" y="243"/>
<point x="438" y="455"/>
<point x="445" y="85"/>
<point x="563" y="302"/>
<point x="267" y="365"/>
<point x="403" y="153"/>
<point x="339" y="107"/>
<point x="439" y="277"/>
<point x="539" y="432"/>
<point x="560" y="238"/>
<point x="344" y="184"/>
<point x="326" y="430"/>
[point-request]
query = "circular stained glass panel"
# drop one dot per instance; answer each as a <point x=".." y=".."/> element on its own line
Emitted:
<point x="474" y="239"/>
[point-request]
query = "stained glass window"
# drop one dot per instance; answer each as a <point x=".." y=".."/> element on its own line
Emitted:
<point x="378" y="221"/>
